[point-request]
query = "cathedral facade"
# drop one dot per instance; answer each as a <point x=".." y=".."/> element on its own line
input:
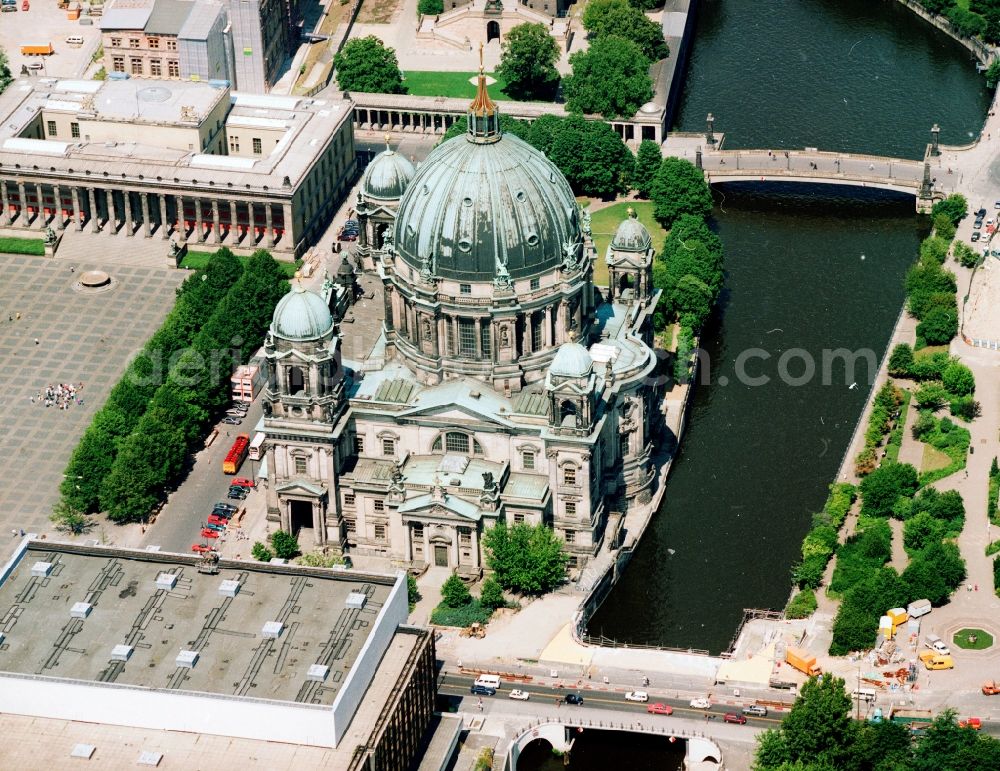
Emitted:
<point x="510" y="390"/>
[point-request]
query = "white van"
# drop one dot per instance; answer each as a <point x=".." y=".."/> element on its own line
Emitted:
<point x="488" y="681"/>
<point x="74" y="40"/>
<point x="864" y="694"/>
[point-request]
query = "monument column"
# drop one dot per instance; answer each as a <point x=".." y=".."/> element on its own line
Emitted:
<point x="268" y="226"/>
<point x="127" y="200"/>
<point x="40" y="210"/>
<point x="199" y="227"/>
<point x="60" y="219"/>
<point x="5" y="202"/>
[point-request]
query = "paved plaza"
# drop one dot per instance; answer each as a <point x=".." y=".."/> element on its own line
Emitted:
<point x="81" y="338"/>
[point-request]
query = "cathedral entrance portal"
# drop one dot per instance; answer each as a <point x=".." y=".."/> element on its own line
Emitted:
<point x="440" y="556"/>
<point x="492" y="31"/>
<point x="300" y="515"/>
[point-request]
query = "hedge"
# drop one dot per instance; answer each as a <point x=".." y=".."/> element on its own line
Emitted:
<point x="12" y="245"/>
<point x="466" y="615"/>
<point x="802" y="605"/>
<point x="896" y="435"/>
<point x="820" y="542"/>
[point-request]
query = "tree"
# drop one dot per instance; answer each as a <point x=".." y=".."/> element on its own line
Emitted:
<point x="943" y="227"/>
<point x="965" y="407"/>
<point x="692" y="298"/>
<point x="901" y="360"/>
<point x="647" y="163"/>
<point x="430" y="7"/>
<point x="958" y="379"/>
<point x="592" y="157"/>
<point x="70" y="520"/>
<point x="935" y="572"/>
<point x="818" y="731"/>
<point x="939" y="326"/>
<point x="954" y="207"/>
<point x="454" y="592"/>
<point x="527" y="62"/>
<point x="5" y="77"/>
<point x="367" y="65"/>
<point x="491" y="595"/>
<point x="931" y="396"/>
<point x="935" y="248"/>
<point x="946" y="746"/>
<point x="261" y="553"/>
<point x="617" y="18"/>
<point x="967" y="256"/>
<point x="413" y="595"/>
<point x="610" y="78"/>
<point x="285" y="545"/>
<point x="881" y="488"/>
<point x="525" y="558"/>
<point x="923" y="424"/>
<point x="542" y="133"/>
<point x="922" y="530"/>
<point x="679" y="188"/>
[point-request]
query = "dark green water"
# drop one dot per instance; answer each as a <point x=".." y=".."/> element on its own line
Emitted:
<point x="602" y="750"/>
<point x="756" y="461"/>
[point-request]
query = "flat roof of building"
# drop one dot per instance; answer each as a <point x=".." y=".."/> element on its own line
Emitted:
<point x="158" y="101"/>
<point x="123" y="617"/>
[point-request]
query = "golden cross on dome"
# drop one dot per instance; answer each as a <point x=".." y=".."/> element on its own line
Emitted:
<point x="388" y="136"/>
<point x="480" y="57"/>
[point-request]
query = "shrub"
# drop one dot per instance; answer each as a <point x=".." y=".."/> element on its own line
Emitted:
<point x="958" y="379"/>
<point x="413" y="595"/>
<point x="430" y="7"/>
<point x="802" y="605"/>
<point x="935" y="248"/>
<point x="967" y="256"/>
<point x="901" y="360"/>
<point x="285" y="545"/>
<point x="992" y="548"/>
<point x="939" y="326"/>
<point x="880" y="489"/>
<point x="454" y="592"/>
<point x="261" y="553"/>
<point x="930" y="366"/>
<point x="923" y="425"/>
<point x="861" y="555"/>
<point x="491" y="595"/>
<point x="966" y="408"/>
<point x="943" y="227"/>
<point x="465" y="615"/>
<point x="931" y="396"/>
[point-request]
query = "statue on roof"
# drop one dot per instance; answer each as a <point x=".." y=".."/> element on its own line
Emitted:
<point x="585" y="221"/>
<point x="570" y="250"/>
<point x="502" y="280"/>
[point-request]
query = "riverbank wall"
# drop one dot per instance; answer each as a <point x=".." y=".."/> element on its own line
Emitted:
<point x="984" y="52"/>
<point x="678" y="31"/>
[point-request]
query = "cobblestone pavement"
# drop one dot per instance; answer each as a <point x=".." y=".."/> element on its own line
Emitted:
<point x="62" y="336"/>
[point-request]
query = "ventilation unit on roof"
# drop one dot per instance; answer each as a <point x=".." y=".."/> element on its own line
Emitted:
<point x="121" y="652"/>
<point x="455" y="482"/>
<point x="149" y="758"/>
<point x="278" y="561"/>
<point x="229" y="588"/>
<point x="84" y="751"/>
<point x="317" y="673"/>
<point x="187" y="659"/>
<point x="41" y="569"/>
<point x="166" y="581"/>
<point x="80" y="610"/>
<point x="272" y="630"/>
<point x="356" y="600"/>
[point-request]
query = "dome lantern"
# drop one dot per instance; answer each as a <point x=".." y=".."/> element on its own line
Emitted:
<point x="484" y="115"/>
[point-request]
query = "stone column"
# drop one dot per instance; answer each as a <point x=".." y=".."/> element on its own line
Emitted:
<point x="547" y="338"/>
<point x="22" y="212"/>
<point x="475" y="548"/>
<point x="561" y="322"/>
<point x="112" y="222"/>
<point x="60" y="219"/>
<point x="442" y="337"/>
<point x="216" y="230"/>
<point x="5" y="202"/>
<point x="164" y="225"/>
<point x="288" y="236"/>
<point x="478" y="325"/>
<point x="76" y="208"/>
<point x="526" y="337"/>
<point x="454" y="336"/>
<point x="179" y="203"/>
<point x="40" y="215"/>
<point x="144" y="205"/>
<point x="268" y="226"/>
<point x="95" y="224"/>
<point x="234" y="232"/>
<point x="199" y="226"/>
<point x="127" y="199"/>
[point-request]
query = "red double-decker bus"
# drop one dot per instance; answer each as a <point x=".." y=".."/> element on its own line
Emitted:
<point x="236" y="455"/>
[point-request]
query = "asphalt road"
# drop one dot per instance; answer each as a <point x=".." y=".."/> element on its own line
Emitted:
<point x="454" y="686"/>
<point x="178" y="525"/>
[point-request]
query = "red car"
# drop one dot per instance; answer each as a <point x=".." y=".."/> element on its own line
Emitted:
<point x="243" y="482"/>
<point x="975" y="723"/>
<point x="201" y="548"/>
<point x="25" y="6"/>
<point x="660" y="709"/>
<point x="732" y="717"/>
<point x="214" y="520"/>
<point x="207" y="532"/>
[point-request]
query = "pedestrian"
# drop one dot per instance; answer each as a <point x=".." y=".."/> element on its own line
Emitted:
<point x="18" y="315"/>
<point x="36" y="341"/>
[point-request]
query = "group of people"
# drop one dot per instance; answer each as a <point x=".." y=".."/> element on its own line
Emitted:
<point x="61" y="396"/>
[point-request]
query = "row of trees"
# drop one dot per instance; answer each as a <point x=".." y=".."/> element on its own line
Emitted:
<point x="981" y="18"/>
<point x="819" y="734"/>
<point x="944" y="380"/>
<point x="931" y="289"/>
<point x="137" y="447"/>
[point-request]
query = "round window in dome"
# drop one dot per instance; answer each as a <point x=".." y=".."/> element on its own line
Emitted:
<point x="466" y="201"/>
<point x="532" y="239"/>
<point x="520" y="196"/>
<point x="465" y="245"/>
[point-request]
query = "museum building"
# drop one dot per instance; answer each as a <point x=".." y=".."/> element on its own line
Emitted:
<point x="505" y="386"/>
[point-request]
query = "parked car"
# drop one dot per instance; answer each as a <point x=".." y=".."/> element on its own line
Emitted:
<point x="229" y="420"/>
<point x="482" y="690"/>
<point x="225" y="507"/>
<point x="519" y="695"/>
<point x="639" y="696"/>
<point x="574" y="698"/>
<point x="980" y="213"/>
<point x="243" y="482"/>
<point x="342" y="236"/>
<point x="35" y="65"/>
<point x="25" y="5"/>
<point x="237" y="493"/>
<point x="660" y="709"/>
<point x="700" y="703"/>
<point x="215" y="519"/>
<point x="975" y="236"/>
<point x="732" y="717"/>
<point x="975" y="723"/>
<point x="201" y="548"/>
<point x="755" y="710"/>
<point x="207" y="532"/>
<point x="996" y="205"/>
<point x="237" y="412"/>
<point x="215" y="526"/>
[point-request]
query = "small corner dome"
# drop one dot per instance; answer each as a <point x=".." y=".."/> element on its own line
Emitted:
<point x="387" y="176"/>
<point x="571" y="360"/>
<point x="301" y="315"/>
<point x="650" y="107"/>
<point x="631" y="236"/>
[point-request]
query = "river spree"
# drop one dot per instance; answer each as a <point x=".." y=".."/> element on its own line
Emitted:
<point x="805" y="270"/>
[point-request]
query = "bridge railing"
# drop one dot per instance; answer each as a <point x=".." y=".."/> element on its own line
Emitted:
<point x="612" y="725"/>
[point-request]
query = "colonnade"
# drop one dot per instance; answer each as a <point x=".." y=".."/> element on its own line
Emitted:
<point x="33" y="205"/>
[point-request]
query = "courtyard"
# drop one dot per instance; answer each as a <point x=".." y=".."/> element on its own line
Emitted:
<point x="52" y="333"/>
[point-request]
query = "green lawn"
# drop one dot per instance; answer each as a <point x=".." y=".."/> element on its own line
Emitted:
<point x="983" y="639"/>
<point x="456" y="84"/>
<point x="23" y="246"/>
<point x="196" y="260"/>
<point x="604" y="223"/>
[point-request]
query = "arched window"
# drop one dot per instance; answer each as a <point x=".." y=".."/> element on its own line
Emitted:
<point x="457" y="442"/>
<point x="567" y="413"/>
<point x="296" y="380"/>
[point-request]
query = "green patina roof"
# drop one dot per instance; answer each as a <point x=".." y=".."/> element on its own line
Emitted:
<point x="397" y="391"/>
<point x="531" y="402"/>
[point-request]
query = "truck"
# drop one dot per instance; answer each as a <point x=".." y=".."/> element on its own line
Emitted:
<point x="934" y="660"/>
<point x="917" y="720"/>
<point x="37" y="49"/>
<point x="803" y="661"/>
<point x="991" y="688"/>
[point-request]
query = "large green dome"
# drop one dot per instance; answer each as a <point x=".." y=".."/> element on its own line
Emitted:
<point x="475" y="204"/>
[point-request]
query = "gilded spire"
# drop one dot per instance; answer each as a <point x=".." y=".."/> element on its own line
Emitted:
<point x="388" y="136"/>
<point x="482" y="105"/>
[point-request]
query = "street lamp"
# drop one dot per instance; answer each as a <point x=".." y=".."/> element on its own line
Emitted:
<point x="935" y="136"/>
<point x="710" y="134"/>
